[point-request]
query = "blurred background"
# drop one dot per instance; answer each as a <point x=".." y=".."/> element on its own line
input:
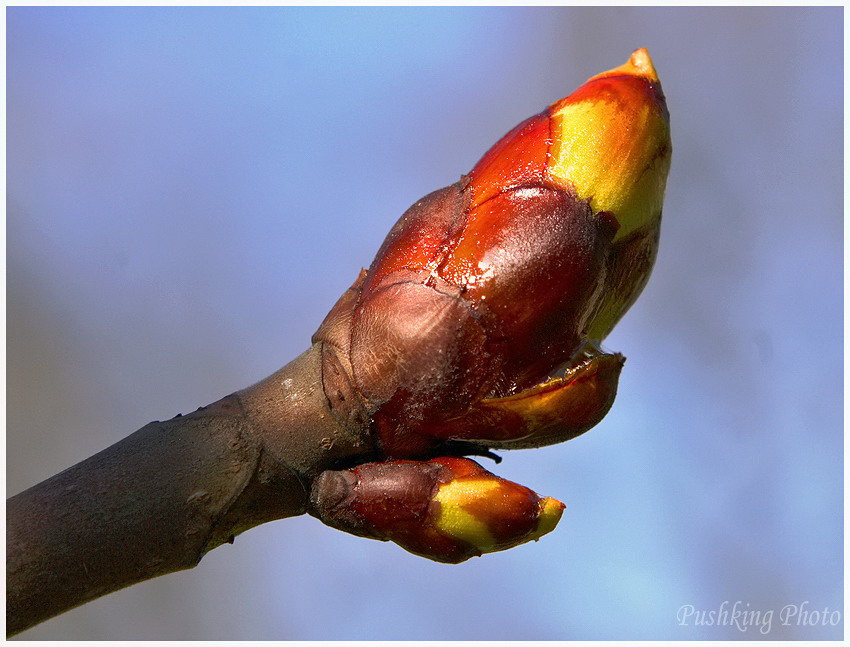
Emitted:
<point x="190" y="190"/>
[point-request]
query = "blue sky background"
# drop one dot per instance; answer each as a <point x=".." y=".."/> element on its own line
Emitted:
<point x="190" y="190"/>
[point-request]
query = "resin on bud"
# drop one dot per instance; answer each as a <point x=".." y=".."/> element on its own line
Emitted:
<point x="480" y="317"/>
<point x="446" y="509"/>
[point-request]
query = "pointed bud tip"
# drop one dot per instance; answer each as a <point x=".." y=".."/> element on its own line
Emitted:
<point x="550" y="514"/>
<point x="642" y="64"/>
<point x="612" y="144"/>
<point x="639" y="64"/>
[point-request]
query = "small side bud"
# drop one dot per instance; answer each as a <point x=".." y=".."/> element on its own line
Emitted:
<point x="446" y="509"/>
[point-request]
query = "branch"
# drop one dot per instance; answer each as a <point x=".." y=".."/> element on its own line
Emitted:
<point x="158" y="500"/>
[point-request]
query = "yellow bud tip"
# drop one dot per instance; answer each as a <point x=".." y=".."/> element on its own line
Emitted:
<point x="612" y="144"/>
<point x="550" y="514"/>
<point x="640" y="64"/>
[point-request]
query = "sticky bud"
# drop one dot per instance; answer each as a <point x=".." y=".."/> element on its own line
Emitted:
<point x="446" y="509"/>
<point x="481" y="315"/>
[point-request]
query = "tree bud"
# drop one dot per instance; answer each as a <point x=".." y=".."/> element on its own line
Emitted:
<point x="480" y="316"/>
<point x="446" y="509"/>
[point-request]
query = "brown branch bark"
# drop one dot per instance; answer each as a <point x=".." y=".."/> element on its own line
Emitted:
<point x="157" y="501"/>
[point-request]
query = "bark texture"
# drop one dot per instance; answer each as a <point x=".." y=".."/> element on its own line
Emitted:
<point x="158" y="500"/>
